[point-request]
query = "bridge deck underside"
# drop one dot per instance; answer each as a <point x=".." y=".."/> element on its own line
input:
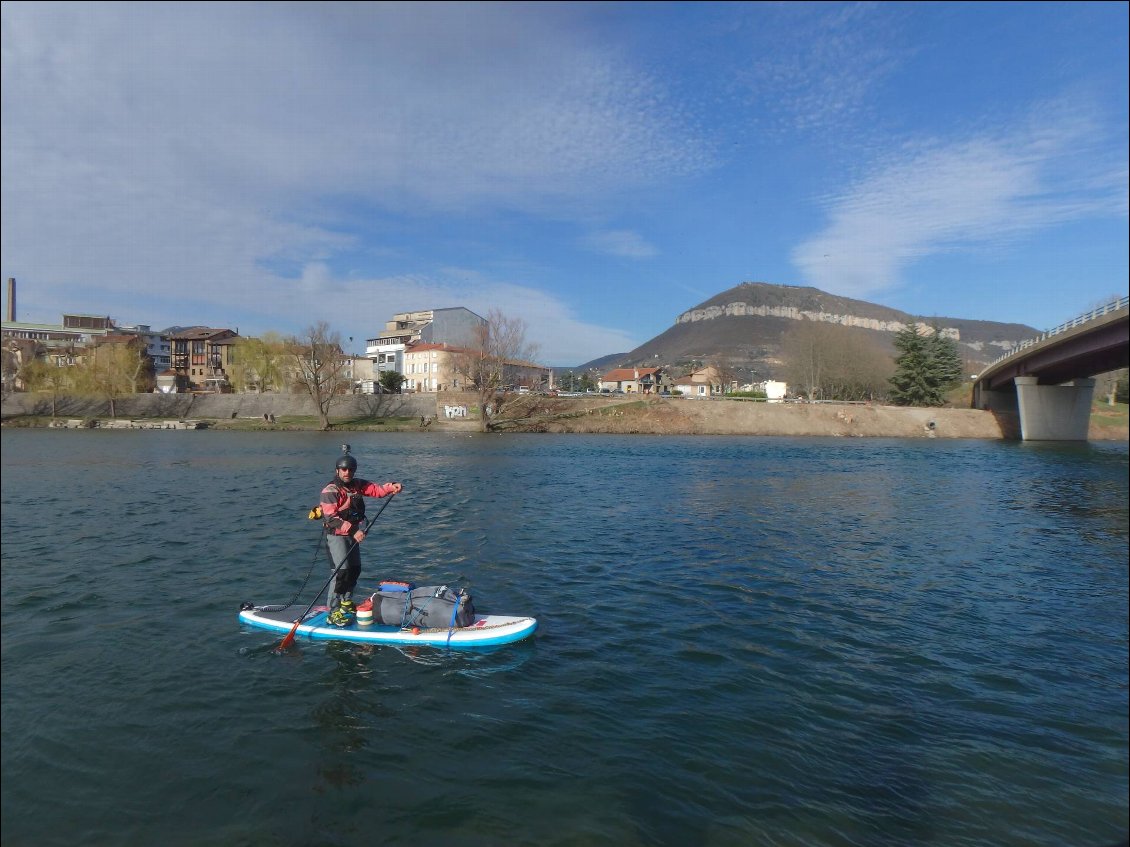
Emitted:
<point x="1105" y="349"/>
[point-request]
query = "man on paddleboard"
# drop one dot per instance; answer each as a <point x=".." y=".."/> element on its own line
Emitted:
<point x="342" y="509"/>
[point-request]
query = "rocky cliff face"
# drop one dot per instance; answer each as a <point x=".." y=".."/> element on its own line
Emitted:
<point x="744" y="326"/>
<point x="742" y="309"/>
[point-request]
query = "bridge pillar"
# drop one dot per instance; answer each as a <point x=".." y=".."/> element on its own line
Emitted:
<point x="1054" y="412"/>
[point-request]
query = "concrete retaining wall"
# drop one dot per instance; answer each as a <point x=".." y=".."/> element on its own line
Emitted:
<point x="220" y="406"/>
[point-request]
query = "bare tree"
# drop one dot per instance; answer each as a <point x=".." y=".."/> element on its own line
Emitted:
<point x="144" y="373"/>
<point x="497" y="351"/>
<point x="321" y="367"/>
<point x="859" y="367"/>
<point x="832" y="362"/>
<point x="805" y="358"/>
<point x="726" y="373"/>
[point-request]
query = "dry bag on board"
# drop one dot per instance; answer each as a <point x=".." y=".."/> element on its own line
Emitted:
<point x="426" y="607"/>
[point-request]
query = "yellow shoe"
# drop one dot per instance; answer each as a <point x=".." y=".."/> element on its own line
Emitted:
<point x="344" y="615"/>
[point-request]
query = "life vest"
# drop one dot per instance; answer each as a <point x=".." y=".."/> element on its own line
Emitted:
<point x="354" y="510"/>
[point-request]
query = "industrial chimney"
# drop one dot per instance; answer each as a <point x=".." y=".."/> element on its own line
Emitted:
<point x="11" y="313"/>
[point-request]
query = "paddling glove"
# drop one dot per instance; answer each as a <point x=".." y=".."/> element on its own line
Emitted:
<point x="315" y="514"/>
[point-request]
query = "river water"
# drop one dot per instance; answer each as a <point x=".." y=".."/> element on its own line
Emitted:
<point x="743" y="641"/>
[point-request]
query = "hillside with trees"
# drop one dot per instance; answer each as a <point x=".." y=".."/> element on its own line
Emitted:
<point x="807" y="337"/>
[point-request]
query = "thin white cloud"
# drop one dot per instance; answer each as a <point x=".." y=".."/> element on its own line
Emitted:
<point x="170" y="158"/>
<point x="960" y="197"/>
<point x="554" y="326"/>
<point x="395" y="103"/>
<point x="560" y="337"/>
<point x="815" y="67"/>
<point x="620" y="242"/>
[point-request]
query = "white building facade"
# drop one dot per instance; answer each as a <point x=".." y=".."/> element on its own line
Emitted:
<point x="456" y="327"/>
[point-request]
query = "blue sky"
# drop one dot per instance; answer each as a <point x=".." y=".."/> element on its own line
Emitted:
<point x="592" y="168"/>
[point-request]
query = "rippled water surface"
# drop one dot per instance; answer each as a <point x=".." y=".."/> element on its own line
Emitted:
<point x="743" y="642"/>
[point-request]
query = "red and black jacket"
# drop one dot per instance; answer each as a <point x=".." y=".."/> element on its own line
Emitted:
<point x="343" y="504"/>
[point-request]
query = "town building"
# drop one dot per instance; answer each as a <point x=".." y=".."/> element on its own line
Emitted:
<point x="200" y="359"/>
<point x="157" y="345"/>
<point x="774" y="390"/>
<point x="430" y="348"/>
<point x="67" y="343"/>
<point x="443" y="367"/>
<point x="456" y="327"/>
<point x="433" y="367"/>
<point x="61" y="344"/>
<point x="634" y="380"/>
<point x="701" y="383"/>
<point x="75" y="331"/>
<point x="362" y="374"/>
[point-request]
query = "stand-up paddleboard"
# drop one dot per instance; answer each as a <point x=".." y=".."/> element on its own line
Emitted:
<point x="486" y="631"/>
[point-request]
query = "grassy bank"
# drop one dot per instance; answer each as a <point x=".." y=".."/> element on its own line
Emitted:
<point x="676" y="417"/>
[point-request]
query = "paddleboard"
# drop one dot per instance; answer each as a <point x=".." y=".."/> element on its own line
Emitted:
<point x="486" y="631"/>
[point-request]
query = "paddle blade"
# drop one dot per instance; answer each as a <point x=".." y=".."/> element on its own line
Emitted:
<point x="286" y="642"/>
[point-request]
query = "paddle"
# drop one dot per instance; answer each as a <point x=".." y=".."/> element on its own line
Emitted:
<point x="286" y="642"/>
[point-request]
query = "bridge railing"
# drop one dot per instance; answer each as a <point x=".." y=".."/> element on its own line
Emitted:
<point x="1112" y="306"/>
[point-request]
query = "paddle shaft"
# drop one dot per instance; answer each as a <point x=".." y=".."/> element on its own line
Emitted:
<point x="286" y="642"/>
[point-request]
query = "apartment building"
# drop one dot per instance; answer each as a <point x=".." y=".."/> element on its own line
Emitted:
<point x="201" y="357"/>
<point x="425" y="347"/>
<point x="432" y="367"/>
<point x="454" y="327"/>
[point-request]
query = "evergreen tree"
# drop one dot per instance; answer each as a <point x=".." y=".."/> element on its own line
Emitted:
<point x="926" y="368"/>
<point x="392" y="381"/>
<point x="945" y="362"/>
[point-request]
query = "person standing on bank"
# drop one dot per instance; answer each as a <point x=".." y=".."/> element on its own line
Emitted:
<point x="343" y="517"/>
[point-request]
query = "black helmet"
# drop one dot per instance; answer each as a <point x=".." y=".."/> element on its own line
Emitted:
<point x="347" y="461"/>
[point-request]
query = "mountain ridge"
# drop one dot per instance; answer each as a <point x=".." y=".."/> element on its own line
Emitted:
<point x="744" y="325"/>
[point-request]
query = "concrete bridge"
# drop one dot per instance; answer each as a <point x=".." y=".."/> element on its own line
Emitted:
<point x="1048" y="380"/>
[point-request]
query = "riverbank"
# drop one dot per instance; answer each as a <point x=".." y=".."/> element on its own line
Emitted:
<point x="598" y="415"/>
<point x="735" y="417"/>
